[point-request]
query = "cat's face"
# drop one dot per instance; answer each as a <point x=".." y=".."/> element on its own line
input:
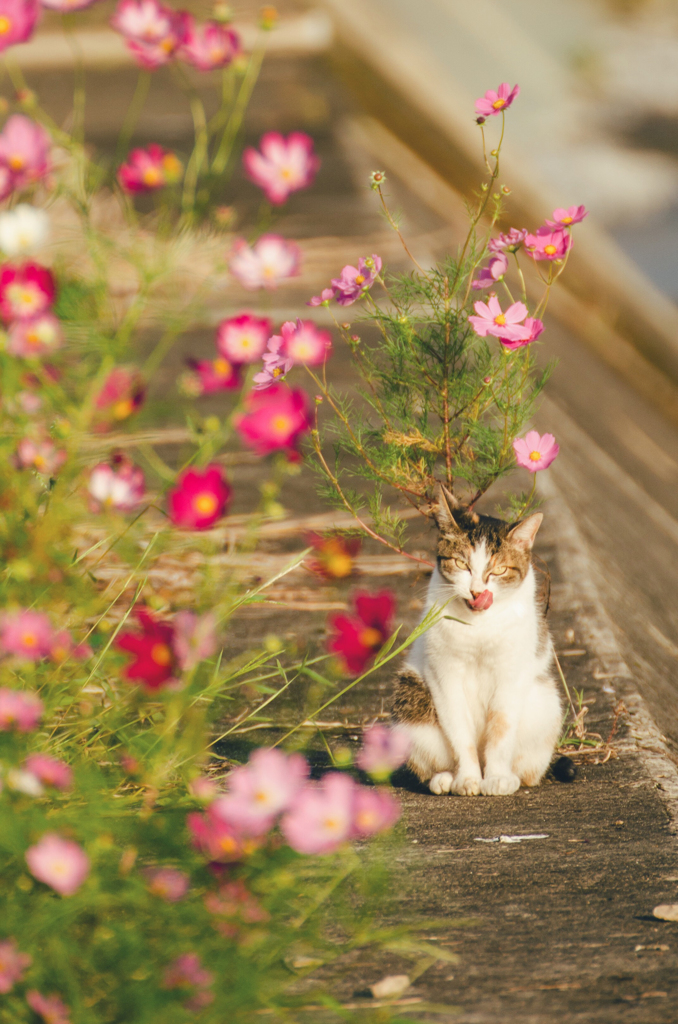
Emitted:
<point x="484" y="560"/>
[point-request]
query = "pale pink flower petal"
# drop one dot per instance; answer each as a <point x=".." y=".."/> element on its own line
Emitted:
<point x="283" y="166"/>
<point x="50" y="1008"/>
<point x="261" y="790"/>
<point x="494" y="102"/>
<point x="534" y="451"/>
<point x="12" y="965"/>
<point x="383" y="750"/>
<point x="321" y="817"/>
<point x="374" y="810"/>
<point x="50" y="771"/>
<point x="19" y="710"/>
<point x="567" y="217"/>
<point x="59" y="863"/>
<point x="266" y="264"/>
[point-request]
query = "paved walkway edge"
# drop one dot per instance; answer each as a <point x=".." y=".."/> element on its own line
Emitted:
<point x="643" y="738"/>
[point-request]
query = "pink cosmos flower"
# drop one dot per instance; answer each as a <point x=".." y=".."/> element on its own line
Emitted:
<point x="493" y="272"/>
<point x="535" y="327"/>
<point x="234" y="906"/>
<point x="153" y="32"/>
<point x="243" y="338"/>
<point x="283" y="166"/>
<point x="59" y="863"/>
<point x="566" y="218"/>
<point x="42" y="456"/>
<point x="168" y="883"/>
<point x="275" y="419"/>
<point x="121" y="486"/>
<point x="198" y="498"/>
<point x="24" y="144"/>
<point x="50" y="771"/>
<point x="203" y="789"/>
<point x="26" y="634"/>
<point x="149" y="169"/>
<point x="38" y="336"/>
<point x="383" y="750"/>
<point x="305" y="343"/>
<point x="277" y="364"/>
<point x="63" y="647"/>
<point x="271" y="260"/>
<point x="325" y="297"/>
<point x="548" y="243"/>
<point x="217" y="839"/>
<point x="19" y="710"/>
<point x="66" y="6"/>
<point x="194" y="638"/>
<point x="154" y="661"/>
<point x="12" y="965"/>
<point x="374" y="810"/>
<point x="122" y="394"/>
<point x="26" y="290"/>
<point x="214" y="375"/>
<point x="491" y="320"/>
<point x="187" y="970"/>
<point x="50" y="1008"/>
<point x="321" y="817"/>
<point x="208" y="46"/>
<point x="494" y="102"/>
<point x="358" y="638"/>
<point x="261" y="790"/>
<point x="355" y="281"/>
<point x="509" y="242"/>
<point x="535" y="451"/>
<point x="17" y="21"/>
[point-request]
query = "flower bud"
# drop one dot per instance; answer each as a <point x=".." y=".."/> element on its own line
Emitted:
<point x="506" y="190"/>
<point x="318" y="399"/>
<point x="224" y="216"/>
<point x="222" y="12"/>
<point x="345" y="327"/>
<point x="481" y="120"/>
<point x="26" y="98"/>
<point x="377" y="178"/>
<point x="487" y="380"/>
<point x="268" y="17"/>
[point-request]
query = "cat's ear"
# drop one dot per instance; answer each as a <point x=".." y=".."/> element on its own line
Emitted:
<point x="524" y="533"/>
<point x="442" y="510"/>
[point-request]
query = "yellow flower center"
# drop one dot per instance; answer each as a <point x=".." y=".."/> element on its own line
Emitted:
<point x="535" y="456"/>
<point x="122" y="409"/>
<point x="5" y="25"/>
<point x="222" y="368"/>
<point x="161" y="654"/>
<point x="16" y="161"/>
<point x="278" y="372"/>
<point x="339" y="565"/>
<point x="167" y="44"/>
<point x="500" y="320"/>
<point x="172" y="167"/>
<point x="39" y="462"/>
<point x="370" y="637"/>
<point x="550" y="250"/>
<point x="498" y="104"/>
<point x="245" y="342"/>
<point x="566" y="220"/>
<point x="281" y="424"/>
<point x="205" y="503"/>
<point x="360" y="278"/>
<point x="286" y="173"/>
<point x="152" y="176"/>
<point x="28" y="640"/>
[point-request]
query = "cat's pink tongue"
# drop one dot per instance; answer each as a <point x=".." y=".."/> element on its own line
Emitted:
<point x="482" y="602"/>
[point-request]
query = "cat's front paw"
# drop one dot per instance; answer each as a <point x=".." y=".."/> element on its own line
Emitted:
<point x="441" y="783"/>
<point x="467" y="785"/>
<point x="500" y="785"/>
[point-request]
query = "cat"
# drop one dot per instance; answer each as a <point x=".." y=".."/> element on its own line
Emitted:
<point x="476" y="696"/>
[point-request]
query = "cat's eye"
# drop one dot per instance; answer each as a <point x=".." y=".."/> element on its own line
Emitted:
<point x="460" y="563"/>
<point x="499" y="572"/>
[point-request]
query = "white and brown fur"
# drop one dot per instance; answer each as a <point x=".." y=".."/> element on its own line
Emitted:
<point x="476" y="696"/>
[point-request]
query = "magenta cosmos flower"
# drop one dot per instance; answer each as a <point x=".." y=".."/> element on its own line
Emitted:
<point x="123" y="393"/>
<point x="357" y="638"/>
<point x="199" y="498"/>
<point x="300" y="342"/>
<point x="12" y="965"/>
<point x="17" y="21"/>
<point x="208" y="46"/>
<point x="168" y="883"/>
<point x="321" y="818"/>
<point x="212" y="375"/>
<point x="261" y="790"/>
<point x="548" y="243"/>
<point x="275" y="419"/>
<point x="493" y="272"/>
<point x="19" y="710"/>
<point x="151" y="647"/>
<point x="282" y="166"/>
<point x="153" y="32"/>
<point x="26" y="634"/>
<point x="355" y="281"/>
<point x="24" y="149"/>
<point x="494" y="102"/>
<point x="59" y="863"/>
<point x="38" y="336"/>
<point x="535" y="327"/>
<point x="121" y="486"/>
<point x="271" y="260"/>
<point x="243" y="338"/>
<point x="26" y="290"/>
<point x="509" y="242"/>
<point x="566" y="218"/>
<point x="535" y="451"/>
<point x="216" y="839"/>
<point x="324" y="299"/>
<point x="50" y="771"/>
<point x="147" y="170"/>
<point x="491" y="320"/>
<point x="50" y="1008"/>
<point x="383" y="750"/>
<point x="277" y="364"/>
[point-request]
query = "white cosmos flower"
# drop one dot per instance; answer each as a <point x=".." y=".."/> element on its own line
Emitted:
<point x="23" y="229"/>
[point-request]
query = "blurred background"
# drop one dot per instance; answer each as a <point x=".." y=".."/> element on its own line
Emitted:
<point x="390" y="84"/>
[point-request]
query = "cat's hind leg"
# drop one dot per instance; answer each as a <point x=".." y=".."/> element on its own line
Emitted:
<point x="431" y="756"/>
<point x="538" y="731"/>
